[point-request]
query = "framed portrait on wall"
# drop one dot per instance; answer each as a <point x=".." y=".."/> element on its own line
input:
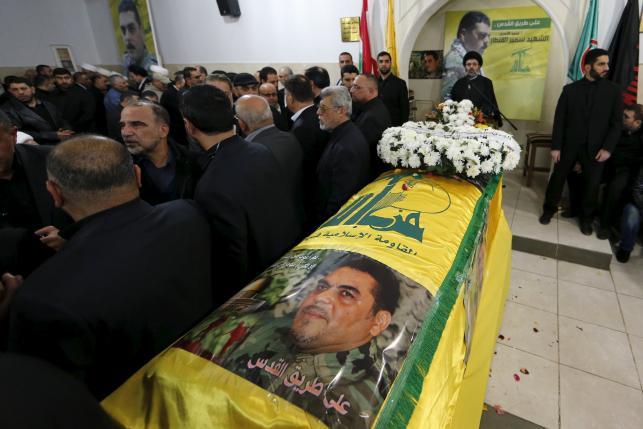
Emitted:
<point x="134" y="32"/>
<point x="64" y="58"/>
<point x="426" y="65"/>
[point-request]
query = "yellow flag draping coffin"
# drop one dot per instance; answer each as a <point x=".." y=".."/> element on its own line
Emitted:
<point x="368" y="322"/>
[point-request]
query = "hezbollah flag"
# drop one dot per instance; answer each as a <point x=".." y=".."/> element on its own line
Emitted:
<point x="624" y="53"/>
<point x="587" y="41"/>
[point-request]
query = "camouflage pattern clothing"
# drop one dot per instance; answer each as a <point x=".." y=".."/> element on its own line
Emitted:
<point x="356" y="381"/>
<point x="148" y="60"/>
<point x="453" y="68"/>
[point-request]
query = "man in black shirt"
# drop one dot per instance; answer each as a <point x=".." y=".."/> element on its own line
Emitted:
<point x="476" y="88"/>
<point x="74" y="101"/>
<point x="40" y="119"/>
<point x="392" y="91"/>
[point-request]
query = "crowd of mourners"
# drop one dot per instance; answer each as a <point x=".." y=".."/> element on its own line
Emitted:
<point x="130" y="207"/>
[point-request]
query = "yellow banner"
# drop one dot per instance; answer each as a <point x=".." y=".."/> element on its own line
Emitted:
<point x="514" y="44"/>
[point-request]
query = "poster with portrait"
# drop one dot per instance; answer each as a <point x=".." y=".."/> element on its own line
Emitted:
<point x="134" y="31"/>
<point x="514" y="44"/>
<point x="426" y="65"/>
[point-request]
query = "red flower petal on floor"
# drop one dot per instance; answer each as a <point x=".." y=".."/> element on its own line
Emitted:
<point x="498" y="409"/>
<point x="405" y="187"/>
<point x="516" y="377"/>
<point x="524" y="371"/>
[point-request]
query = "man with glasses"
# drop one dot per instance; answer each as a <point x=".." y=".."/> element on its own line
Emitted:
<point x="473" y="35"/>
<point x="343" y="168"/>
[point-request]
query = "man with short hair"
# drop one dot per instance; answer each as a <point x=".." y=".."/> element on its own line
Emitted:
<point x="253" y="221"/>
<point x="587" y="125"/>
<point x="245" y="84"/>
<point x="284" y="74"/>
<point x="371" y="117"/>
<point x="25" y="205"/>
<point x="38" y="118"/>
<point x="343" y="168"/>
<point x="45" y="88"/>
<point x="171" y="101"/>
<point x="75" y="102"/>
<point x="44" y="70"/>
<point x="140" y="299"/>
<point x="348" y="73"/>
<point x="473" y="34"/>
<point x="432" y="65"/>
<point x="222" y="82"/>
<point x="112" y="102"/>
<point x="312" y="139"/>
<point x="133" y="34"/>
<point x="319" y="80"/>
<point x="345" y="59"/>
<point x="82" y="79"/>
<point x="255" y="120"/>
<point x="269" y="92"/>
<point x="269" y="75"/>
<point x="193" y="77"/>
<point x="168" y="171"/>
<point x="392" y="90"/>
<point x="100" y="86"/>
<point x="477" y="88"/>
<point x="139" y="76"/>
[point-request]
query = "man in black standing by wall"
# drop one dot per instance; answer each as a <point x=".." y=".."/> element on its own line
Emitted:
<point x="587" y="126"/>
<point x="392" y="91"/>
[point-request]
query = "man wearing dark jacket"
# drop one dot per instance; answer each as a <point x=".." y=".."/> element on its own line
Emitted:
<point x="74" y="101"/>
<point x="170" y="100"/>
<point x="40" y="119"/>
<point x="344" y="166"/>
<point x="587" y="126"/>
<point x="392" y="91"/>
<point x="371" y="117"/>
<point x="631" y="221"/>
<point x="127" y="282"/>
<point x="253" y="221"/>
<point x="168" y="171"/>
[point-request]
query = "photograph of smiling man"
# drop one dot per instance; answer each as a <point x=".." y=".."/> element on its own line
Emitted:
<point x="134" y="33"/>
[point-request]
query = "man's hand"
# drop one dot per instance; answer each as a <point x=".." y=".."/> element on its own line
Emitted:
<point x="555" y="155"/>
<point x="8" y="286"/>
<point x="602" y="155"/>
<point x="64" y="134"/>
<point x="49" y="237"/>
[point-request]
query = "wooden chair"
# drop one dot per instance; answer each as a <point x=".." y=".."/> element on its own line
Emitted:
<point x="535" y="141"/>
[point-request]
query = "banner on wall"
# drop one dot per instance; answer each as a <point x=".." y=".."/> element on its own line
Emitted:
<point x="514" y="44"/>
<point x="134" y="33"/>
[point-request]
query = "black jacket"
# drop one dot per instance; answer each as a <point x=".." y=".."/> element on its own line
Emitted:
<point x="100" y="119"/>
<point x="31" y="123"/>
<point x="372" y="118"/>
<point x="253" y="221"/>
<point x="480" y="91"/>
<point x="171" y="99"/>
<point x="343" y="169"/>
<point x="126" y="284"/>
<point x="589" y="116"/>
<point x="186" y="175"/>
<point x="395" y="96"/>
<point x="78" y="107"/>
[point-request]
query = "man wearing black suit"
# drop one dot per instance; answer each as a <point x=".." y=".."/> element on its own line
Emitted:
<point x="256" y="123"/>
<point x="127" y="282"/>
<point x="170" y="100"/>
<point x="74" y="101"/>
<point x="168" y="171"/>
<point x="253" y="221"/>
<point x="25" y="206"/>
<point x="587" y="126"/>
<point x="392" y="91"/>
<point x="139" y="76"/>
<point x="312" y="139"/>
<point x="40" y="119"/>
<point x="344" y="166"/>
<point x="371" y="117"/>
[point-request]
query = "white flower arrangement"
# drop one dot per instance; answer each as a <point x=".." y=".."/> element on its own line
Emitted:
<point x="453" y="145"/>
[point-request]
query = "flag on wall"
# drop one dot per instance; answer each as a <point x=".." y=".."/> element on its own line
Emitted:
<point x="587" y="41"/>
<point x="624" y="53"/>
<point x="391" y="45"/>
<point x="367" y="63"/>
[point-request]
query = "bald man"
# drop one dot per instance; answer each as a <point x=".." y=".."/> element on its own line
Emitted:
<point x="269" y="92"/>
<point x="371" y="116"/>
<point x="124" y="285"/>
<point x="255" y="120"/>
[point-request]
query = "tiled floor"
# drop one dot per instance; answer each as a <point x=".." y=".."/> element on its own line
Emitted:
<point x="576" y="332"/>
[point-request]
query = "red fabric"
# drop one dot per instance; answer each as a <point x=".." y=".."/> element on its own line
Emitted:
<point x="369" y="65"/>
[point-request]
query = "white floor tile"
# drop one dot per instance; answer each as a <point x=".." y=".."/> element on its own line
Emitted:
<point x="530" y="330"/>
<point x="637" y="349"/>
<point x="534" y="290"/>
<point x="633" y="314"/>
<point x="600" y="351"/>
<point x="628" y="282"/>
<point x="569" y="234"/>
<point x="533" y="263"/>
<point x="589" y="304"/>
<point x="584" y="275"/>
<point x="535" y="396"/>
<point x="527" y="225"/>
<point x="590" y="402"/>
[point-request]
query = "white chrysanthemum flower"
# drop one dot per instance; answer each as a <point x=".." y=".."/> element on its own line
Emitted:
<point x="473" y="170"/>
<point x="454" y="153"/>
<point x="487" y="166"/>
<point x="432" y="158"/>
<point x="511" y="161"/>
<point x="414" y="161"/>
<point x="459" y="165"/>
